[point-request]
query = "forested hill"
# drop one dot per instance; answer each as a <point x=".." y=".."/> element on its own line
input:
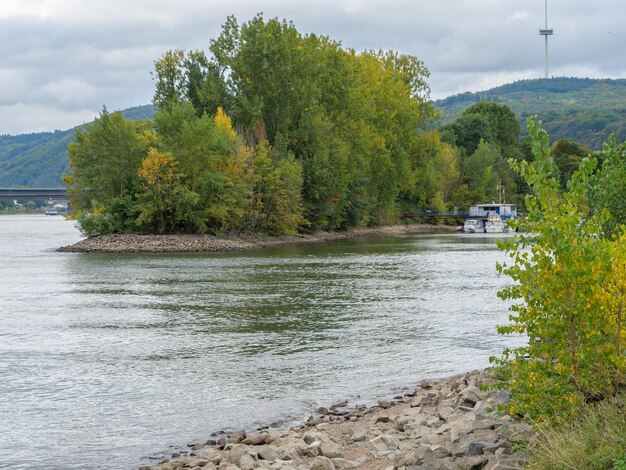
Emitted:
<point x="39" y="159"/>
<point x="582" y="109"/>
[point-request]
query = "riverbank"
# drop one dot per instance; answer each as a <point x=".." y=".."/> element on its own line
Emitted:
<point x="132" y="243"/>
<point x="447" y="424"/>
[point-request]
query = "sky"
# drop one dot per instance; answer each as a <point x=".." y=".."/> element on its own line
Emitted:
<point x="62" y="60"/>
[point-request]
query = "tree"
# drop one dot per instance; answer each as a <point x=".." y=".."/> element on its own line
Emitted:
<point x="608" y="189"/>
<point x="568" y="295"/>
<point x="503" y="125"/>
<point x="160" y="186"/>
<point x="567" y="155"/>
<point x="102" y="183"/>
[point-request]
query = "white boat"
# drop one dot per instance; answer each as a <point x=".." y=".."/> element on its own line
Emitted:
<point x="472" y="226"/>
<point x="494" y="224"/>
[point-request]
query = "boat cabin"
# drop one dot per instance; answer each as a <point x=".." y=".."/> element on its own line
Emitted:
<point x="505" y="211"/>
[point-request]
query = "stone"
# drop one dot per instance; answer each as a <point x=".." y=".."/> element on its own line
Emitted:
<point x="247" y="463"/>
<point x="475" y="462"/>
<point x="426" y="385"/>
<point x="236" y="437"/>
<point x="471" y="395"/>
<point x="440" y="452"/>
<point x="358" y="436"/>
<point x="476" y="448"/>
<point x="343" y="464"/>
<point x="382" y="419"/>
<point x="341" y="404"/>
<point x="236" y="453"/>
<point x="424" y="454"/>
<point x="406" y="459"/>
<point x="330" y="450"/>
<point x="384" y="404"/>
<point x="289" y="454"/>
<point x="445" y="412"/>
<point x="312" y="436"/>
<point x="384" y="442"/>
<point x="322" y="463"/>
<point x="266" y="452"/>
<point x="256" y="440"/>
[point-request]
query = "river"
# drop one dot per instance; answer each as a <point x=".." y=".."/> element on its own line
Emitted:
<point x="114" y="361"/>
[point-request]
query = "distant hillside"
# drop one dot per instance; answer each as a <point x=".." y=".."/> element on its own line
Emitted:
<point x="39" y="160"/>
<point x="582" y="109"/>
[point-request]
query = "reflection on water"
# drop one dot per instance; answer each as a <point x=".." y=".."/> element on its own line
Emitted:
<point x="106" y="360"/>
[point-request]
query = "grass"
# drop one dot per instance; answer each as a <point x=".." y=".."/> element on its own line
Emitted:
<point x="595" y="440"/>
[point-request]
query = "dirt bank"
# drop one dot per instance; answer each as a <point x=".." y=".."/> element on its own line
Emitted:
<point x="130" y="243"/>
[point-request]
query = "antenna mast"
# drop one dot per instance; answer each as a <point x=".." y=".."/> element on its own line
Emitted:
<point x="545" y="33"/>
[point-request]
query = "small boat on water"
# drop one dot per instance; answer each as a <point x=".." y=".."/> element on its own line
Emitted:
<point x="495" y="224"/>
<point x="472" y="226"/>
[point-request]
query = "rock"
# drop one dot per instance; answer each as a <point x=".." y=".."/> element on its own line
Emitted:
<point x="257" y="440"/>
<point x="445" y="412"/>
<point x="330" y="450"/>
<point x="424" y="454"/>
<point x="382" y="419"/>
<point x="471" y="395"/>
<point x="384" y="404"/>
<point x="247" y="463"/>
<point x="341" y="404"/>
<point x="236" y="437"/>
<point x="343" y="464"/>
<point x="426" y="385"/>
<point x="358" y="436"/>
<point x="267" y="453"/>
<point x="406" y="459"/>
<point x="221" y="442"/>
<point x="314" y="421"/>
<point x="321" y="410"/>
<point x="476" y="448"/>
<point x="322" y="463"/>
<point x="311" y="437"/>
<point x="384" y="442"/>
<point x="289" y="454"/>
<point x="440" y="452"/>
<point x="472" y="463"/>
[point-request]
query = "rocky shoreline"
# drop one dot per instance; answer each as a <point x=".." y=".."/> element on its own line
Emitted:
<point x="132" y="243"/>
<point x="448" y="424"/>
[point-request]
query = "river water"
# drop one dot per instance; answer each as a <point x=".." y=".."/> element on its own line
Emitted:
<point x="114" y="361"/>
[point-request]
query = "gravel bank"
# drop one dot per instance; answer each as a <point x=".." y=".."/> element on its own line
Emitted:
<point x="448" y="424"/>
<point x="130" y="243"/>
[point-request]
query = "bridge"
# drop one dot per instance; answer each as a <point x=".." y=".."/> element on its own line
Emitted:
<point x="29" y="194"/>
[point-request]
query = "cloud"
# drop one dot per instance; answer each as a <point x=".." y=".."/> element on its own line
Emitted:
<point x="24" y="118"/>
<point x="69" y="57"/>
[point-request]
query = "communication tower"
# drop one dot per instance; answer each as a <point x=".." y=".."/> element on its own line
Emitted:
<point x="545" y="33"/>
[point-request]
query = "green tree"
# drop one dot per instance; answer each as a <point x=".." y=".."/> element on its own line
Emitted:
<point x="565" y="296"/>
<point x="608" y="189"/>
<point x="567" y="156"/>
<point x="102" y="183"/>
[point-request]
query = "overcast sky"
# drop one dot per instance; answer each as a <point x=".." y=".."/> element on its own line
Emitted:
<point x="61" y="60"/>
